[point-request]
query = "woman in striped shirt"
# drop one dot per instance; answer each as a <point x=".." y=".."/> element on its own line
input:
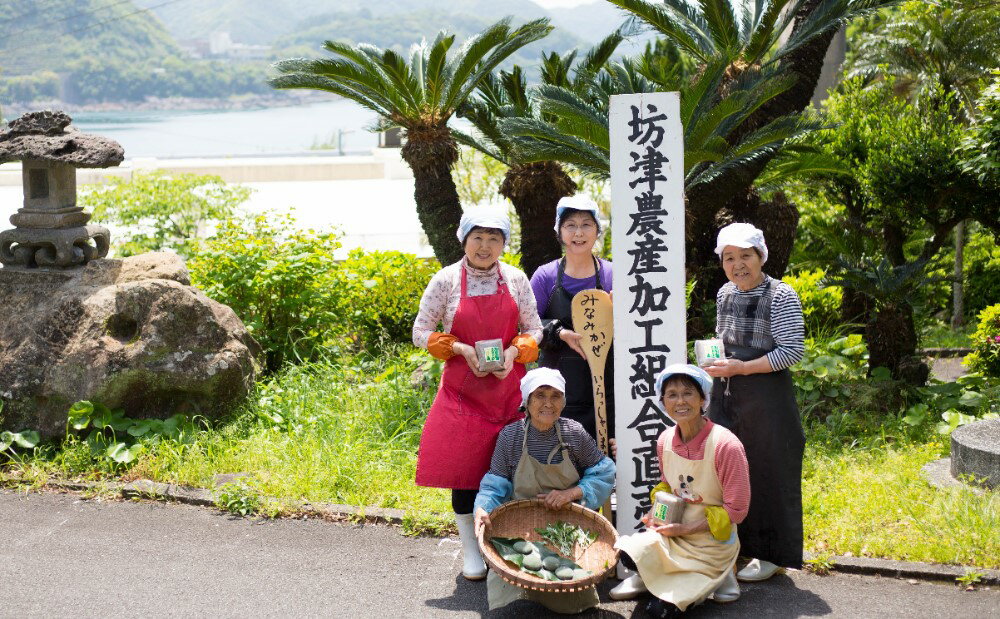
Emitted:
<point x="760" y="322"/>
<point x="549" y="457"/>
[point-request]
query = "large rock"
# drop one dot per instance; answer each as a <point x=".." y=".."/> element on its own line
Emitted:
<point x="129" y="333"/>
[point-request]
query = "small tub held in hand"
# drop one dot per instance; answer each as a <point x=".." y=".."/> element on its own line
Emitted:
<point x="707" y="352"/>
<point x="668" y="508"/>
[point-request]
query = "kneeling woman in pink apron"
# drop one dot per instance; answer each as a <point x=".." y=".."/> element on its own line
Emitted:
<point x="704" y="464"/>
<point x="477" y="298"/>
<point x="544" y="456"/>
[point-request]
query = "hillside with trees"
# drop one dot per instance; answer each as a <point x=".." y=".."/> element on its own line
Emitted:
<point x="395" y="31"/>
<point x="86" y="51"/>
<point x="265" y="21"/>
<point x="95" y="51"/>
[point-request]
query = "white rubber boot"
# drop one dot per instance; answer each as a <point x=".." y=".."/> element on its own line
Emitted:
<point x="629" y="589"/>
<point x="757" y="570"/>
<point x="728" y="590"/>
<point x="473" y="567"/>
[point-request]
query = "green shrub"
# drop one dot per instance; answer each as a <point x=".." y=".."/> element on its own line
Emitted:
<point x="828" y="373"/>
<point x="280" y="281"/>
<point x="160" y="211"/>
<point x="820" y="304"/>
<point x="380" y="294"/>
<point x="982" y="273"/>
<point x="985" y="357"/>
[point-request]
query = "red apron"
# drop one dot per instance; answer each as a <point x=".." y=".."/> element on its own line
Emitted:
<point x="468" y="412"/>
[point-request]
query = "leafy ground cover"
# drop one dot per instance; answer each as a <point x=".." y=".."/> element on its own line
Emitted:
<point x="347" y="432"/>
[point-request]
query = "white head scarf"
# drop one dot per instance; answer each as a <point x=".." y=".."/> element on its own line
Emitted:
<point x="578" y="202"/>
<point x="741" y="235"/>
<point x="699" y="375"/>
<point x="484" y="217"/>
<point x="539" y="377"/>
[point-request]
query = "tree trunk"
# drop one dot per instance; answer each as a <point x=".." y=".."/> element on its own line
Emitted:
<point x="854" y="306"/>
<point x="806" y="64"/>
<point x="892" y="343"/>
<point x="431" y="153"/>
<point x="535" y="190"/>
<point x="957" y="287"/>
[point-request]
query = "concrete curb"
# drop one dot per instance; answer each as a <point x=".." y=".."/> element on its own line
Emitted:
<point x="146" y="489"/>
<point x="909" y="569"/>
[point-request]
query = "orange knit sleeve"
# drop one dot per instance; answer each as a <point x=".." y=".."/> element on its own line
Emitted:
<point x="527" y="348"/>
<point x="439" y="345"/>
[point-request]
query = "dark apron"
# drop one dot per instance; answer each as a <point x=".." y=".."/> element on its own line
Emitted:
<point x="760" y="409"/>
<point x="573" y="367"/>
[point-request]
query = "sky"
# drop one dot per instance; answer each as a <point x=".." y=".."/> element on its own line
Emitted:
<point x="561" y="4"/>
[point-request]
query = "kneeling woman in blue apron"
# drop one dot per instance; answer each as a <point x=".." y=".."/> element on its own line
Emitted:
<point x="703" y="464"/>
<point x="545" y="457"/>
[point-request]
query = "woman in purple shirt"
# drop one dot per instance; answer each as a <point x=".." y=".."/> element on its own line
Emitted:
<point x="554" y="284"/>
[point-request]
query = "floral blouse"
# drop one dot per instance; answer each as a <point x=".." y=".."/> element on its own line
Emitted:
<point x="440" y="300"/>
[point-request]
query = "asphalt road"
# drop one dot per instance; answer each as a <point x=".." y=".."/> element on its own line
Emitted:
<point x="61" y="555"/>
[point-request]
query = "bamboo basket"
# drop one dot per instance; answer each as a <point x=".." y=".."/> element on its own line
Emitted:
<point x="521" y="518"/>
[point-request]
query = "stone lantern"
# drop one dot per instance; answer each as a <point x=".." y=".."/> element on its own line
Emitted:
<point x="51" y="230"/>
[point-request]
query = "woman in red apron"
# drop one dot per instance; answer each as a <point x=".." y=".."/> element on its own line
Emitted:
<point x="477" y="298"/>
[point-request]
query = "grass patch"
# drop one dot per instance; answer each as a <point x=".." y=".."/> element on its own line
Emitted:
<point x="941" y="335"/>
<point x="326" y="433"/>
<point x="875" y="503"/>
<point x="347" y="432"/>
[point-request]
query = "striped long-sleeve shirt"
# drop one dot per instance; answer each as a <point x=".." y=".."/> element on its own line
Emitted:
<point x="783" y="333"/>
<point x="583" y="451"/>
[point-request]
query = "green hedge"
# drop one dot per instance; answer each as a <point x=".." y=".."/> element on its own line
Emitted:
<point x="380" y="293"/>
<point x="301" y="303"/>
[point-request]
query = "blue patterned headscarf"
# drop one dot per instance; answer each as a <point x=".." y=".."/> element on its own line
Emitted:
<point x="578" y="202"/>
<point x="484" y="217"/>
<point x="699" y="375"/>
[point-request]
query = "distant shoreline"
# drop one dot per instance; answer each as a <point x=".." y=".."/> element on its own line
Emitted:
<point x="153" y="104"/>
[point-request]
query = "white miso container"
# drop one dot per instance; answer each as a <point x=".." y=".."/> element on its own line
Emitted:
<point x="706" y="352"/>
<point x="668" y="508"/>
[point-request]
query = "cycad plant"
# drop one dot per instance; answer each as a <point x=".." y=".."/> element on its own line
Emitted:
<point x="738" y="109"/>
<point x="946" y="47"/>
<point x="418" y="93"/>
<point x="949" y="44"/>
<point x="890" y="332"/>
<point x="534" y="186"/>
<point x="910" y="187"/>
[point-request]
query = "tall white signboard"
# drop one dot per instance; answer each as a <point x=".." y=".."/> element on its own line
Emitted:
<point x="647" y="237"/>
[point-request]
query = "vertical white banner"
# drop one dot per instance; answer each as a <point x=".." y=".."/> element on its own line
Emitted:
<point x="647" y="238"/>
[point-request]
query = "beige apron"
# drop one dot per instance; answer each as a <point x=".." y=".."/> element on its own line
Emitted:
<point x="532" y="478"/>
<point x="685" y="570"/>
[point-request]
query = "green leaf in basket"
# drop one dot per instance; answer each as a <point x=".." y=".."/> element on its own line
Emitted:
<point x="505" y="548"/>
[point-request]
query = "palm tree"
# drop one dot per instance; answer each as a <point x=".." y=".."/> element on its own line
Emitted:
<point x="888" y="326"/>
<point x="951" y="43"/>
<point x="419" y="94"/>
<point x="739" y="108"/>
<point x="576" y="132"/>
<point x="534" y="187"/>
